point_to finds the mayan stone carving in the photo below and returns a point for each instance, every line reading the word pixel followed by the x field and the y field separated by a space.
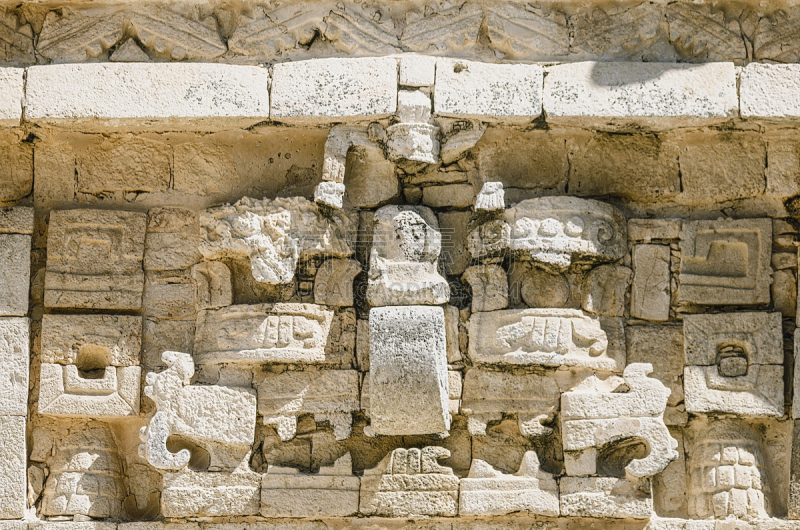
pixel 408 264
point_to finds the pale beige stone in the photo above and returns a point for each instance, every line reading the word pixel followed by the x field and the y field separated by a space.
pixel 255 334
pixel 131 94
pixel 592 417
pixel 333 284
pixel 448 196
pixel 191 494
pixel 661 346
pixel 725 262
pixel 767 91
pixel 94 259
pixel 489 286
pixel 16 177
pixel 410 482
pixel 452 318
pixel 334 492
pixel 544 337
pixel 487 491
pixel 12 95
pixel 16 220
pixel 454 226
pixel 221 419
pixel 501 92
pixel 12 467
pixel 173 236
pixel 650 292
pixel 14 360
pixel 646 230
pixel 325 90
pixel 604 290
pixel 642 93
pixel 128 165
pixel 408 370
pixel 331 395
pixel 456 145
pixel 784 292
pixel 487 395
pixel 417 70
pixel 95 341
pixel 605 497
pixel 16 265
pixel 213 285
pixel 169 295
pixel 406 243
pixel 65 391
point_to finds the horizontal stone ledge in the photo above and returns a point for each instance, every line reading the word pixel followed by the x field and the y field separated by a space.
pixel 770 91
pixel 657 95
pixel 147 96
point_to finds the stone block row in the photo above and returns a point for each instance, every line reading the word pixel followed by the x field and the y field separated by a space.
pixel 110 95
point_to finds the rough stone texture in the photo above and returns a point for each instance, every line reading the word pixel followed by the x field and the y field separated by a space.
pixel 14 359
pixel 92 341
pixel 650 293
pixel 408 483
pixel 417 70
pixel 766 91
pixel 661 346
pixel 12 468
pixel 94 259
pixel 16 177
pixel 617 498
pixel 725 262
pixel 647 230
pixel 16 265
pixel 333 284
pixel 734 363
pixel 487 395
pixel 487 491
pixel 604 290
pixel 544 337
pixel 408 370
pixel 640 92
pixel 361 88
pixel 509 93
pixel 13 95
pixel 211 494
pixel 454 227
pixel 448 196
pixel 213 285
pixel 331 395
pixel 253 334
pixel 489 286
pixel 173 236
pixel 64 391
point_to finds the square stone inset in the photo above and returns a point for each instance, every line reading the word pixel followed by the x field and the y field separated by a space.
pixel 94 259
pixel 725 262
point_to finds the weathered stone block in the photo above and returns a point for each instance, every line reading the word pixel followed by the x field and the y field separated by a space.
pixel 14 355
pixel 262 333
pixel 650 293
pixel 503 92
pixel 768 91
pixel 448 196
pixel 12 95
pixel 642 93
pixel 94 259
pixel 65 391
pixel 725 262
pixel 12 467
pixel 489 286
pixel 324 90
pixel 94 341
pixel 605 289
pixel 102 94
pixel 616 498
pixel 331 395
pixel 173 236
pixel 487 395
pixel 16 220
pixel 417 70
pixel 545 337
pixel 334 492
pixel 169 295
pixel 15 262
pixel 408 370
pixel 661 346
pixel 191 494
pixel 409 482
pixel 16 176
pixel 734 363
pixel 213 285
pixel 487 491
pixel 333 283
pixel 646 230
pixel 454 226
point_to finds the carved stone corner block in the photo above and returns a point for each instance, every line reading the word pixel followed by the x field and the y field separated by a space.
pixel 263 333
pixel 594 416
pixel 94 259
pixel 414 139
pixel 220 419
pixel 333 492
pixel 194 494
pixel 543 337
pixel 331 395
pixel 410 482
pixel 65 391
pixel 556 232
pixel 275 235
pixel 487 395
pixel 487 491
pixel 14 365
pixel 403 262
pixel 725 262
pixel 408 381
pixel 606 497
pixel 734 363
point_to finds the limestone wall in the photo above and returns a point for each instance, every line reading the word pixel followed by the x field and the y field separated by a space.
pixel 314 266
